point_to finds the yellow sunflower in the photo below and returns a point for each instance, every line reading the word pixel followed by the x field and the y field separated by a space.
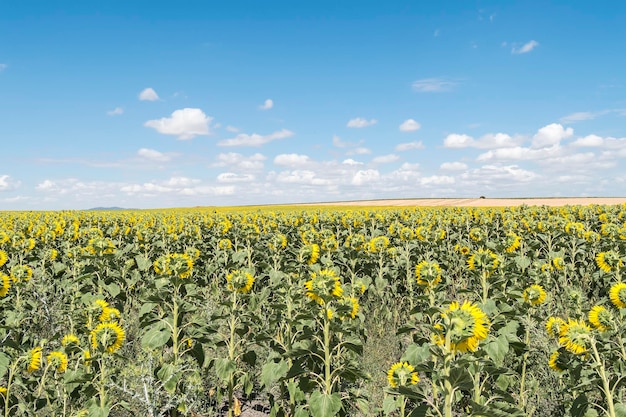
pixel 70 340
pixel 609 261
pixel 6 285
pixel 3 258
pixel 34 359
pixel 513 242
pixel 575 336
pixel 21 273
pixel 466 325
pixel 600 318
pixel 224 244
pixel 554 361
pixel 109 335
pixel 58 360
pixel 323 286
pixel 554 326
pixel 378 244
pixel 534 295
pixel 240 281
pixel 617 294
pixel 428 274
pixel 402 374
pixel 483 260
pixel 558 263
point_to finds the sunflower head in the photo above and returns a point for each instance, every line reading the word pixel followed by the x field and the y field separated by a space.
pixel 330 244
pixel 21 273
pixel 557 361
pixel 309 254
pixel 483 260
pixel 240 281
pixel 58 360
pixel 355 242
pixel 617 294
pixel 534 295
pixel 513 242
pixel 600 318
pixel 428 274
pixel 406 234
pixel 34 359
pixel 476 234
pixel 466 325
pixel 402 374
pixel 5 284
pixel 277 242
pixel 378 244
pixel 107 336
pixel 554 326
pixel 558 263
pixel 609 261
pixel 575 336
pixel 323 286
pixel 224 244
pixel 348 307
pixel 3 258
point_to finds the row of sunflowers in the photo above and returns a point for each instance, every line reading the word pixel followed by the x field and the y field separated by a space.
pixel 314 312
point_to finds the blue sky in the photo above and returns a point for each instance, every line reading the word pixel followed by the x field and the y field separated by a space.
pixel 150 104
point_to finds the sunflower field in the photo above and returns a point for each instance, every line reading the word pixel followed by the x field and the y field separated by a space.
pixel 321 312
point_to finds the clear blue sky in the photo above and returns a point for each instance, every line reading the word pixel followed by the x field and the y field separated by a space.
pixel 166 104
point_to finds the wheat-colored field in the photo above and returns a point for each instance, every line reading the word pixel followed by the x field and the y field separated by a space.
pixel 479 202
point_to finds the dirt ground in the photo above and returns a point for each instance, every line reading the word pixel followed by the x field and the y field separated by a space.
pixel 479 202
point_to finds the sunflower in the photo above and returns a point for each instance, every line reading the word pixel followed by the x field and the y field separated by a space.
pixel 330 244
pixel 555 361
pixel 3 258
pixel 558 263
pixel 554 326
pixel 406 234
pixel 323 286
pixel 575 336
pixel 378 244
pixel 21 273
pixel 224 244
pixel 609 261
pixel 69 340
pixel 464 250
pixel 240 281
pixel 355 241
pixel 277 242
pixel 34 359
pixel 349 307
pixel 476 234
pixel 466 325
pixel 600 318
pixel 534 295
pixel 181 265
pixel 6 285
pixel 109 335
pixel 617 294
pixel 513 242
pixel 484 260
pixel 309 253
pixel 402 374
pixel 428 274
pixel 58 360
pixel 3 391
pixel 109 314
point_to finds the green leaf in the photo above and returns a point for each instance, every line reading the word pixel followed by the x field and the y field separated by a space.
pixel 5 362
pixel 97 411
pixel 620 410
pixel 416 354
pixel 390 404
pixel 169 377
pixel 420 411
pixel 301 412
pixel 272 372
pixel 579 406
pixel 146 308
pixel 156 337
pixel 224 368
pixel 324 405
pixel 497 349
pixel 143 263
pixel 113 289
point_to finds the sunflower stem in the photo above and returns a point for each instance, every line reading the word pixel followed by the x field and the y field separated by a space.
pixel 606 388
pixel 522 394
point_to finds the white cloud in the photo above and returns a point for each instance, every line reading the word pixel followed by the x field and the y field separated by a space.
pixel 359 151
pixel 153 155
pixel 365 177
pixel 385 159
pixel 487 174
pixel 237 161
pixel 243 139
pixel 578 116
pixel 527 47
pixel 409 125
pixel 588 141
pixel 359 122
pixel 291 160
pixel 175 186
pixel 148 94
pixel 116 111
pixel 433 85
pixel 453 166
pixel 437 180
pixel 455 140
pixel 7 183
pixel 551 135
pixel 301 177
pixel 267 104
pixel 184 123
pixel 351 161
pixel 401 147
pixel 519 153
pixel 232 177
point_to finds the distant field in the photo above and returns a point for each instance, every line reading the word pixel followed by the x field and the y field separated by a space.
pixel 479 202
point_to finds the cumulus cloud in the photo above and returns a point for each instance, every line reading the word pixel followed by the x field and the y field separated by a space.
pixel 359 122
pixel 359 151
pixel 365 177
pixel 301 176
pixel 385 159
pixel 488 141
pixel 588 141
pixel 116 111
pixel 184 123
pixel 527 47
pixel 455 140
pixel 7 183
pixel 267 104
pixel 437 180
pixel 233 177
pixel 453 166
pixel 255 139
pixel 491 173
pixel 551 135
pixel 176 186
pixel 291 160
pixel 153 155
pixel 409 125
pixel 351 161
pixel 148 94
pixel 237 161
pixel 577 117
pixel 408 146
pixel 433 85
